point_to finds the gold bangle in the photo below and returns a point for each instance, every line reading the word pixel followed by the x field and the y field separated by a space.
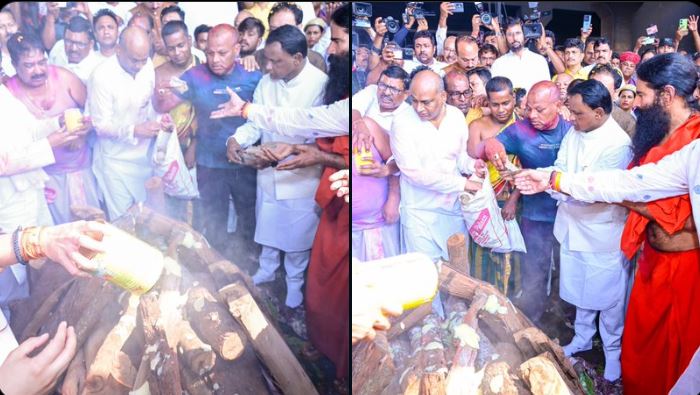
pixel 557 182
pixel 30 244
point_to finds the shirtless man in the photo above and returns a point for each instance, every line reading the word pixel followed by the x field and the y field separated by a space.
pixel 47 91
pixel 179 46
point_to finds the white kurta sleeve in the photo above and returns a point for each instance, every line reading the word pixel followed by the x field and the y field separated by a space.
pixel 248 133
pixel 104 119
pixel 440 37
pixel 668 177
pixel 323 121
pixel 362 100
pixel 31 157
pixel 408 159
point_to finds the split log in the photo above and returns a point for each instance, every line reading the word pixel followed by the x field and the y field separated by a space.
pixel 432 361
pixel 87 213
pixel 267 341
pixel 155 196
pixel 212 323
pixel 409 380
pixel 509 353
pixel 544 377
pixel 533 342
pixel 463 377
pixel 372 366
pixel 408 319
pixel 163 367
pixel 108 358
pixel 74 380
pixel 498 327
pixel 457 252
pixel 499 380
pixel 97 374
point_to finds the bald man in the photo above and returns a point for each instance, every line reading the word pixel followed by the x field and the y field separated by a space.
pixel 218 178
pixel 429 145
pixel 467 52
pixel 449 51
pixel 535 140
pixel 458 92
pixel 119 102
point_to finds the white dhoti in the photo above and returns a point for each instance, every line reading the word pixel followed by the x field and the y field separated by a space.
pixel 596 282
pixel 376 243
pixel 427 231
pixel 78 188
pixel 284 225
pixel 121 184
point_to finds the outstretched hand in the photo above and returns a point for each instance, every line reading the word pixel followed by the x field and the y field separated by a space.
pixel 231 108
pixel 530 181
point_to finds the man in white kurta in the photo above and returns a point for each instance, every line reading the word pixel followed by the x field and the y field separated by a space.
pixel 594 273
pixel 25 149
pixel 286 212
pixel 119 102
pixel 523 67
pixel 429 145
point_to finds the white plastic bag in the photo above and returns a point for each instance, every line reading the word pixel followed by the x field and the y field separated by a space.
pixel 169 164
pixel 517 243
pixel 483 217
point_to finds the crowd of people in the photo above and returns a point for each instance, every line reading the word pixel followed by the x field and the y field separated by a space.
pixel 430 123
pixel 256 95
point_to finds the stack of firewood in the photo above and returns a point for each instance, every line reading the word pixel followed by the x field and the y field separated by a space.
pixel 484 345
pixel 199 330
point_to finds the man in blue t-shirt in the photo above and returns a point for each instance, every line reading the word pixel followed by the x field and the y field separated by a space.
pixel 535 140
pixel 217 178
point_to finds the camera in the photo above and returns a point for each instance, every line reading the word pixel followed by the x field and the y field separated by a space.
pixel 486 18
pixel 419 12
pixel 361 14
pixel 532 27
pixel 392 25
pixel 408 54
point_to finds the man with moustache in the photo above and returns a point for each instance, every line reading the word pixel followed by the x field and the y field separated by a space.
pixel 217 177
pixel 251 32
pixel 449 50
pixel 661 323
pixel 593 273
pixel 28 145
pixel 383 101
pixel 467 55
pixel 521 66
pixel 602 51
pixel 486 265
pixel 46 92
pixel 424 49
pixel 611 79
pixel 178 44
pixel 573 57
pixel 535 140
pixel 285 198
pixel 459 94
pixel 74 51
pixel 628 65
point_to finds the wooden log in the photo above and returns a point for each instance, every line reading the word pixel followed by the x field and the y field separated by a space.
pixel 498 327
pixel 212 322
pixel 408 319
pixel 108 358
pixel 500 380
pixel 196 355
pixel 457 252
pixel 43 312
pixel 97 374
pixel 544 377
pixel 409 380
pixel 509 353
pixel 92 313
pixel 87 213
pixel 372 366
pixel 432 360
pixel 463 377
pixel 155 196
pixel 268 343
pixel 164 370
pixel 74 380
pixel 533 342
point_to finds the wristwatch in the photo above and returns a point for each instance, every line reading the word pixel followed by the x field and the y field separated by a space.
pixel 376 50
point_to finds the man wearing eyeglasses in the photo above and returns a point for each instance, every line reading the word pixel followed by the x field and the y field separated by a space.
pixel 75 51
pixel 459 94
pixel 383 101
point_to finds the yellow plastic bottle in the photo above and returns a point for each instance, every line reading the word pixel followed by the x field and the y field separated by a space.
pixel 409 279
